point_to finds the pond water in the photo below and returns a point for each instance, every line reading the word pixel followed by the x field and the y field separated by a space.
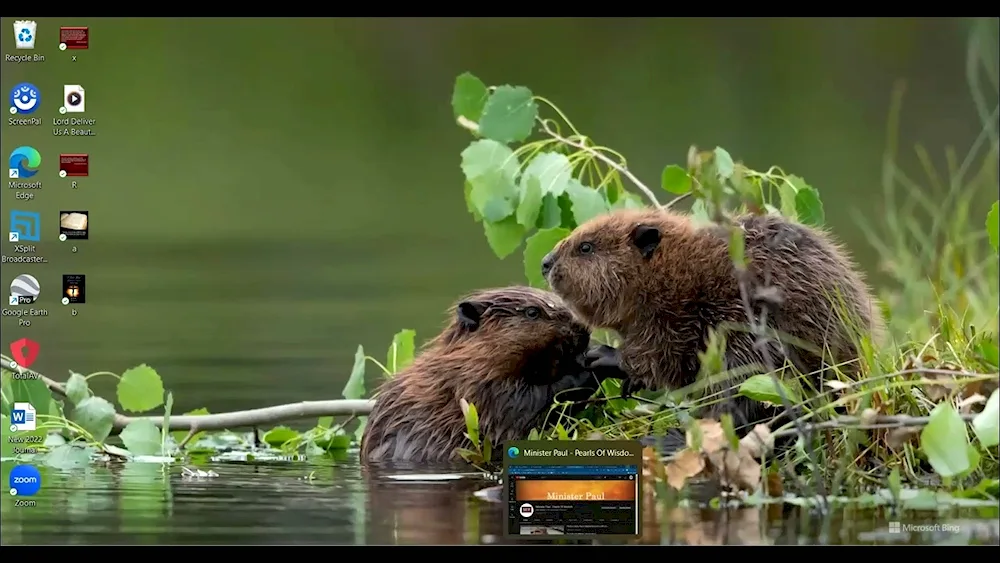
pixel 342 503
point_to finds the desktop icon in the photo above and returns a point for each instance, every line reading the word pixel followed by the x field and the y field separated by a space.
pixel 24 162
pixel 22 418
pixel 73 225
pixel 24 290
pixel 73 99
pixel 25 481
pixel 24 98
pixel 24 352
pixel 513 452
pixel 25 226
pixel 74 38
pixel 24 34
pixel 74 288
pixel 74 165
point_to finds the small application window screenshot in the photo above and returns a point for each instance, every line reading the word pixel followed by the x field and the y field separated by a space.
pixel 575 490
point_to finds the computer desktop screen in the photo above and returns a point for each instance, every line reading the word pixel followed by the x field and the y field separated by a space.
pixel 397 281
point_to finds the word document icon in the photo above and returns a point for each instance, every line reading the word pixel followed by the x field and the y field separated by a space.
pixel 22 418
pixel 24 162
pixel 24 34
pixel 24 98
pixel 25 226
pixel 73 99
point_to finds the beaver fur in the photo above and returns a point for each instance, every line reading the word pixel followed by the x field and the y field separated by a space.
pixel 663 282
pixel 509 351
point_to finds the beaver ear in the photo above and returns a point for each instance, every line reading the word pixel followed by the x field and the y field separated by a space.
pixel 469 314
pixel 646 239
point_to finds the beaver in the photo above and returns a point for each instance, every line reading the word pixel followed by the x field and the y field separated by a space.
pixel 509 351
pixel 663 282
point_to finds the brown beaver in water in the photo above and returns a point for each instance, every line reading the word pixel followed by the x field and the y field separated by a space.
pixel 662 283
pixel 508 351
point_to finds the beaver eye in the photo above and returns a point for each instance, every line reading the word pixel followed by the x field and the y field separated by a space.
pixel 532 312
pixel 586 248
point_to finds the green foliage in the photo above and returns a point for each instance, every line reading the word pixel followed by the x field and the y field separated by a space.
pixel 764 388
pixel 538 245
pixel 556 183
pixel 986 425
pixel 140 389
pixel 945 442
pixel 481 451
pixel 401 351
pixel 993 225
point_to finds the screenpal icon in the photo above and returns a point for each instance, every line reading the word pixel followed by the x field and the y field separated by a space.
pixel 24 290
pixel 74 164
pixel 74 38
pixel 73 99
pixel 24 352
pixel 22 418
pixel 24 34
pixel 24 98
pixel 25 481
pixel 25 226
pixel 24 162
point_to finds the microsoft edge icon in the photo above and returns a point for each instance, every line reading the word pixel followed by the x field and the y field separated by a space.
pixel 24 99
pixel 24 162
pixel 513 452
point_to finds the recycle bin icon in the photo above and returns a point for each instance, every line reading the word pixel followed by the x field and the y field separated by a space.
pixel 24 34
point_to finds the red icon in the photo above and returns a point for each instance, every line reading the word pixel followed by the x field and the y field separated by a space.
pixel 74 165
pixel 74 37
pixel 24 352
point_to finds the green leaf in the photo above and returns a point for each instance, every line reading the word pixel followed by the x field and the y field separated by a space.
pixel 761 388
pixel 587 203
pixel 675 180
pixel 808 207
pixel 550 215
pixel 724 163
pixel 509 114
pixel 490 169
pixel 989 352
pixel 737 248
pixel 141 437
pixel 537 246
pixel 140 389
pixel 278 436
pixel 179 435
pixel 699 212
pixel 355 387
pixel 895 483
pixel 504 236
pixel 531 201
pixel 986 425
pixel 469 96
pixel 401 350
pixel 333 441
pixel 32 391
pixel 553 171
pixel 68 456
pixel 6 446
pixel 629 201
pixel 945 441
pixel 993 225
pixel 471 421
pixel 787 191
pixel 77 388
pixel 729 431
pixel 95 415
pixel 469 204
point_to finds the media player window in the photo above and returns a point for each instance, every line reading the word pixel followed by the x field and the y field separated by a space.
pixel 573 489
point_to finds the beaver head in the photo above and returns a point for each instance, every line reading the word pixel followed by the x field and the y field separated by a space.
pixel 610 267
pixel 513 332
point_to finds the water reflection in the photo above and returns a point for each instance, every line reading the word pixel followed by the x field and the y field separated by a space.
pixel 342 503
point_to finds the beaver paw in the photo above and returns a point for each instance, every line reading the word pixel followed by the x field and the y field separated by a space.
pixel 604 361
pixel 631 386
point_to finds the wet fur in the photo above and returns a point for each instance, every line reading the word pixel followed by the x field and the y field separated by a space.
pixel 662 283
pixel 510 366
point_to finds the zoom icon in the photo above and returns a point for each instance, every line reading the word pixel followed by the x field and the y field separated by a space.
pixel 24 99
pixel 24 162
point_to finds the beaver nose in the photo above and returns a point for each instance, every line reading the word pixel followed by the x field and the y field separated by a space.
pixel 548 262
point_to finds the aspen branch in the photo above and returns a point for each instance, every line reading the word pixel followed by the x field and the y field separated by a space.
pixel 235 419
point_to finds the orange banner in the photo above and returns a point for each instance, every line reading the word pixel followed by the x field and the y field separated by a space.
pixel 538 490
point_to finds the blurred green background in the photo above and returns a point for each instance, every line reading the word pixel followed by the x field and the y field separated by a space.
pixel 266 194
